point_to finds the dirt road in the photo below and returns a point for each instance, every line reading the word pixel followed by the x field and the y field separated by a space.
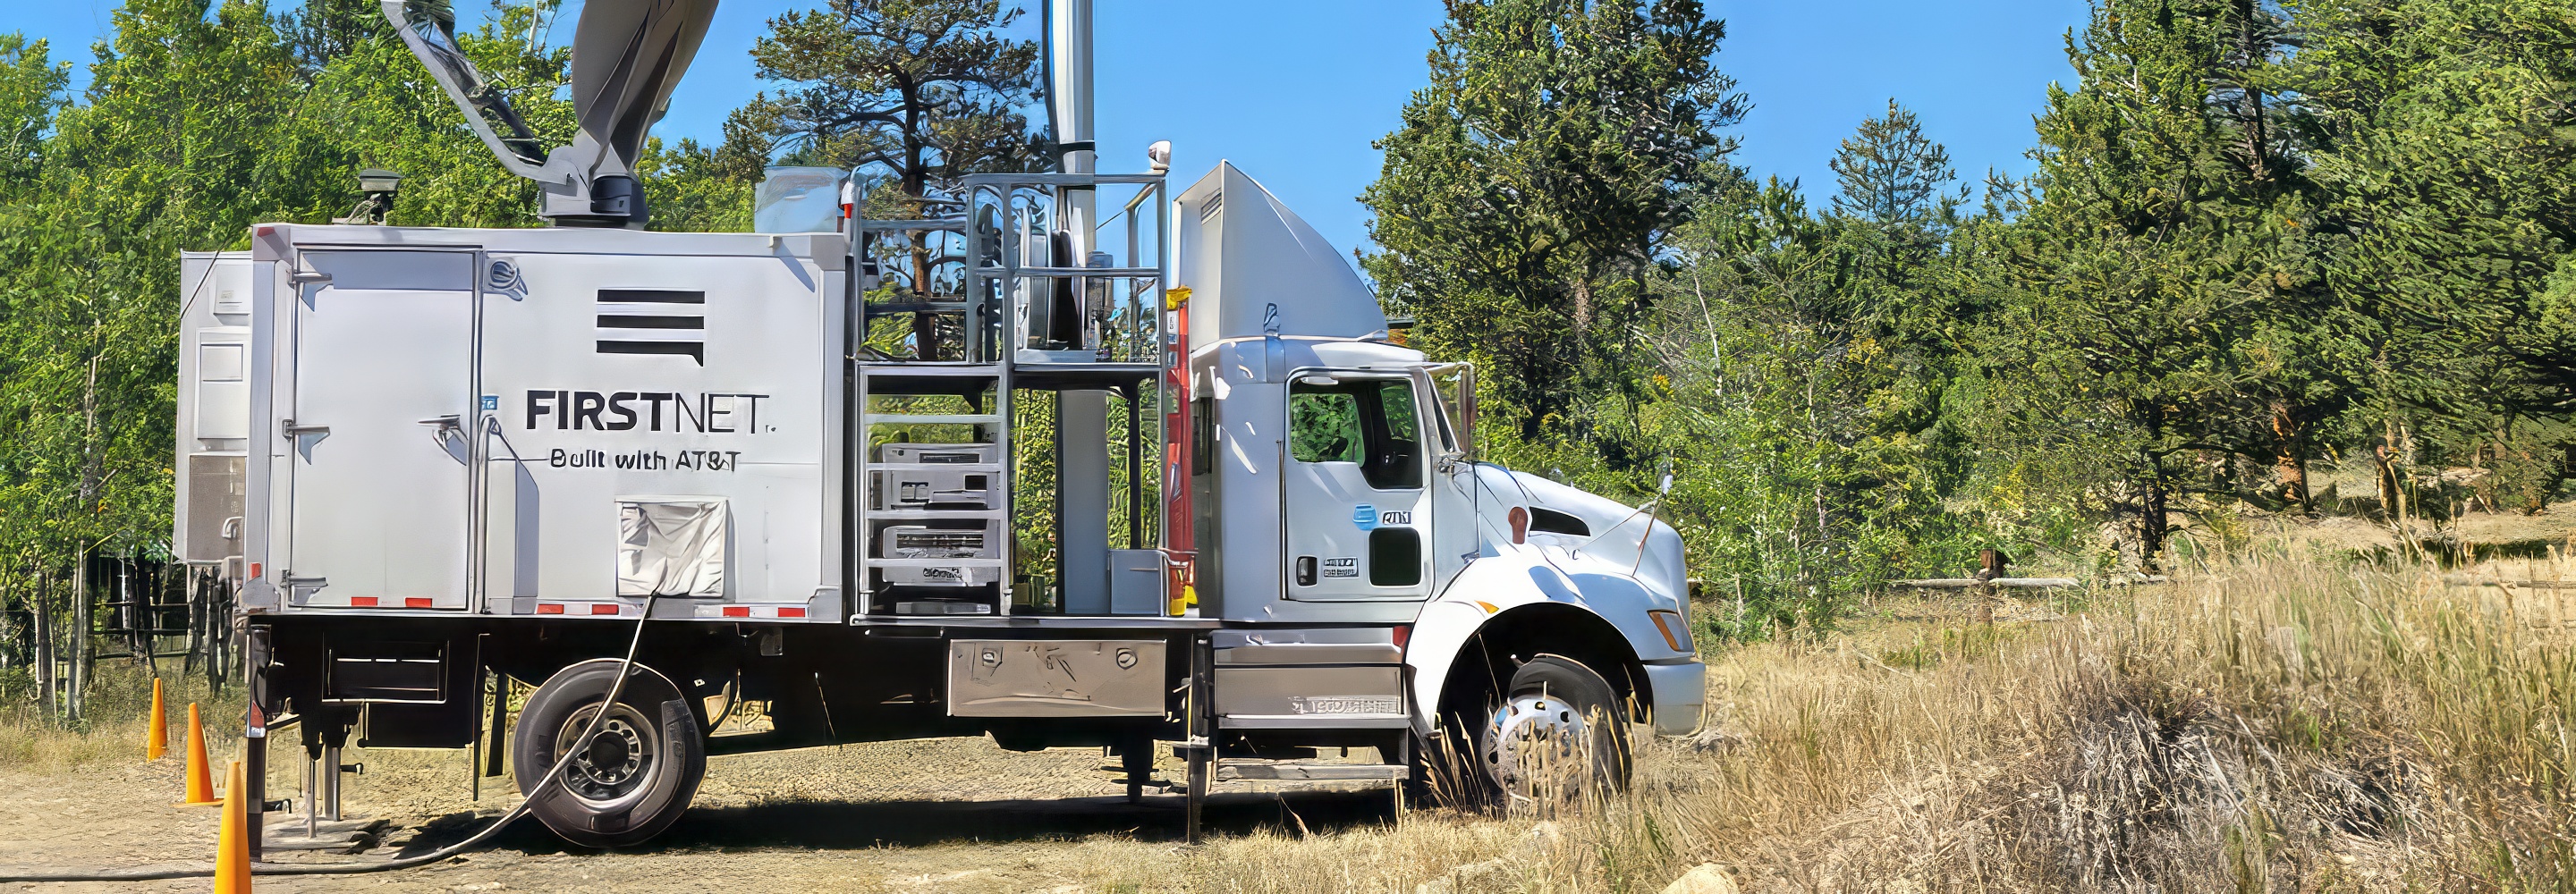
pixel 941 815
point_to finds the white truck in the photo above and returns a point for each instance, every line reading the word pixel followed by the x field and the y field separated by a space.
pixel 1008 472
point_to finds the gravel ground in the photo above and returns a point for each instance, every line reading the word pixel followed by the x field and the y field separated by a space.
pixel 935 815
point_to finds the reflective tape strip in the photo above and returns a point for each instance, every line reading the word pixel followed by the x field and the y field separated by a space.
pixel 751 611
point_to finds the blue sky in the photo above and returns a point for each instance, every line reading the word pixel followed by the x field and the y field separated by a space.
pixel 1294 93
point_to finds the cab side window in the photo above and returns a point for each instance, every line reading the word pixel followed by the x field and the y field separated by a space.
pixel 1374 423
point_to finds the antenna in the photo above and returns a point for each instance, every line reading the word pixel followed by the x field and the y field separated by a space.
pixel 627 57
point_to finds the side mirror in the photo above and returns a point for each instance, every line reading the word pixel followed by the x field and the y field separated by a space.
pixel 1455 383
pixel 1450 460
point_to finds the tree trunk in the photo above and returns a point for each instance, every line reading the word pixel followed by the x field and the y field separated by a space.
pixel 2290 465
pixel 141 614
pixel 188 585
pixel 44 644
pixel 75 699
pixel 2386 479
pixel 2152 524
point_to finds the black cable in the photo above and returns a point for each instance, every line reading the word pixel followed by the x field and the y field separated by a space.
pixel 552 777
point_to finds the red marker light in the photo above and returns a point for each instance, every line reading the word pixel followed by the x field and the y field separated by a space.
pixel 1520 525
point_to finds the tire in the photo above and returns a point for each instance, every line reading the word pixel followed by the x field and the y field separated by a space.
pixel 641 767
pixel 1554 733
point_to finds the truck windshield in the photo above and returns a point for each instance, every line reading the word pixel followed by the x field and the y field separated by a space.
pixel 1372 422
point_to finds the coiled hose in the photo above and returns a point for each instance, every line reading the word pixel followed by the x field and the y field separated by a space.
pixel 553 774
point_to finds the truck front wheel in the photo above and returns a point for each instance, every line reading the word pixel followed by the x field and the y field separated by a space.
pixel 634 774
pixel 1554 732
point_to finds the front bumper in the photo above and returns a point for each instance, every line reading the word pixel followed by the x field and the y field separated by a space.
pixel 1678 693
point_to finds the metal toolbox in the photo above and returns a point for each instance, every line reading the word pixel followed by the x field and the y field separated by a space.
pixel 1055 678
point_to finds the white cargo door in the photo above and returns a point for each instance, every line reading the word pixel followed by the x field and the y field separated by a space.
pixel 1355 502
pixel 379 511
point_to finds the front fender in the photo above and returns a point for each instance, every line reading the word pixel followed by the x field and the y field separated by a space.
pixel 1517 582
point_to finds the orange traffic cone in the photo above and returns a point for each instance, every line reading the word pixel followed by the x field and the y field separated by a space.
pixel 232 837
pixel 156 739
pixel 201 790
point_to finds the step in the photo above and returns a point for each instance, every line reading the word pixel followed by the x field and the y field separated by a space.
pixel 1248 769
pixel 912 368
pixel 934 563
pixel 932 418
pixel 1052 272
pixel 931 514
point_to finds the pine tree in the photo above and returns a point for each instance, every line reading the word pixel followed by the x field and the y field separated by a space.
pixel 1527 195
pixel 2440 131
pixel 1892 175
pixel 2165 227
pixel 919 92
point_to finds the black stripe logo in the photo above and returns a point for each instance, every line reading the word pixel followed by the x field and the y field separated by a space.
pixel 618 330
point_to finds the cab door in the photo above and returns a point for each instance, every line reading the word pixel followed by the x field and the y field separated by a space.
pixel 1354 488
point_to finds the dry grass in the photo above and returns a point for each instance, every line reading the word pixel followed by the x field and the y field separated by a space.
pixel 2269 726
pixel 2265 728
pixel 119 709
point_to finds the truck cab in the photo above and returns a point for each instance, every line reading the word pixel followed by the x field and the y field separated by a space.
pixel 1161 477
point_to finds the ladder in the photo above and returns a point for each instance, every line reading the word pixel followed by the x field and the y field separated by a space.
pixel 995 304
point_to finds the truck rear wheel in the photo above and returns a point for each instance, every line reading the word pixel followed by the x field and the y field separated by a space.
pixel 1554 732
pixel 631 778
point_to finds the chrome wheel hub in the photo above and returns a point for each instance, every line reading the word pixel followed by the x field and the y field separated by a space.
pixel 610 766
pixel 1538 745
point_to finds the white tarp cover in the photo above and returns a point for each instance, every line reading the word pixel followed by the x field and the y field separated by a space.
pixel 671 547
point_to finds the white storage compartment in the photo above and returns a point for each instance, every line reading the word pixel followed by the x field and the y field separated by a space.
pixel 618 414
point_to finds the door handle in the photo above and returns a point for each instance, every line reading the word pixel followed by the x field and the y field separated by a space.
pixel 290 429
pixel 443 427
pixel 447 430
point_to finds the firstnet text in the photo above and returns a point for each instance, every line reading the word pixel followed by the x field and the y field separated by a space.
pixel 703 413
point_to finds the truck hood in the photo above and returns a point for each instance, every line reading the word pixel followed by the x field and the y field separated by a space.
pixel 1619 539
